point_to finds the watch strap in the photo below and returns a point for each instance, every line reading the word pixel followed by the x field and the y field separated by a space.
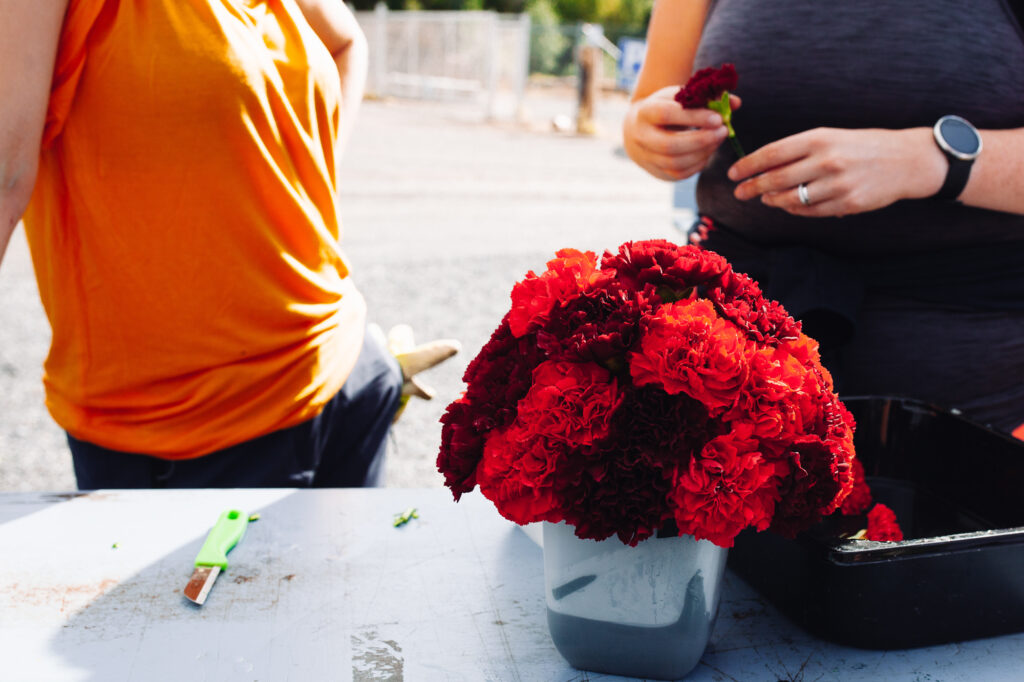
pixel 956 178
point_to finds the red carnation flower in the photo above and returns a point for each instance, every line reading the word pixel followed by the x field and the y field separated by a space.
pixel 687 348
pixel 598 325
pixel 461 448
pixel 631 502
pixel 522 498
pixel 532 299
pixel 882 525
pixel 707 85
pixel 728 487
pixel 499 376
pixel 859 498
pixel 570 402
pixel 775 400
pixel 661 431
pixel 710 88
pixel 812 491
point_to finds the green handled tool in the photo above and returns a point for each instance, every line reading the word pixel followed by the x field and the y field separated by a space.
pixel 213 556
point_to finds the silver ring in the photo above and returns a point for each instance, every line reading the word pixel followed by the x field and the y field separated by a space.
pixel 801 191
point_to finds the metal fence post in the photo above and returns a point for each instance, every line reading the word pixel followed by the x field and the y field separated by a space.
pixel 380 48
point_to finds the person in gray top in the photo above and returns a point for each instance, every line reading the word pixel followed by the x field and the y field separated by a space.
pixel 882 196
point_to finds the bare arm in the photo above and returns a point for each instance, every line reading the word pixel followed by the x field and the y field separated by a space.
pixel 853 171
pixel 29 33
pixel 336 26
pixel 672 39
pixel 669 142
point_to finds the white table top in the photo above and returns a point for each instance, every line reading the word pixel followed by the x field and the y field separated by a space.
pixel 323 587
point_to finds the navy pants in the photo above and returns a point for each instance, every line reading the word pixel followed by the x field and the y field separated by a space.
pixel 343 446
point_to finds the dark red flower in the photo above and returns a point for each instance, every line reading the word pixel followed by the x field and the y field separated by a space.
pixel 706 86
pixel 813 490
pixel 598 325
pixel 461 448
pixel 882 525
pixel 570 402
pixel 631 502
pixel 500 374
pixel 859 498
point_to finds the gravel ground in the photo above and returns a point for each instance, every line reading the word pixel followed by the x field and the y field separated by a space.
pixel 443 213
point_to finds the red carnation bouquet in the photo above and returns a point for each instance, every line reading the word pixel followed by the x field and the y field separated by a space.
pixel 656 390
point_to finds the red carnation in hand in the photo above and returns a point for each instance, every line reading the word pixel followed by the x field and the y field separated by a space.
pixel 882 525
pixel 707 85
pixel 710 88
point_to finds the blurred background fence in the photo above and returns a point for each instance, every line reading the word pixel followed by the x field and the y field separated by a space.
pixel 485 56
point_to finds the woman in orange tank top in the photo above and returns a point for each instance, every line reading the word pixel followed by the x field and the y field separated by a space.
pixel 175 163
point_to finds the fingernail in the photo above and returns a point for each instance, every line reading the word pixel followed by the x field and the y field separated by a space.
pixel 733 174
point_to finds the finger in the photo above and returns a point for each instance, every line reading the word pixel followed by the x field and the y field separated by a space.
pixel 688 163
pixel 820 193
pixel 778 179
pixel 778 153
pixel 678 143
pixel 826 209
pixel 662 112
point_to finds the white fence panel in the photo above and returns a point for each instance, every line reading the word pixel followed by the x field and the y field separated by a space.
pixel 474 56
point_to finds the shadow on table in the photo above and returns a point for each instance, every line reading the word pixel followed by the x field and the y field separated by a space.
pixel 324 587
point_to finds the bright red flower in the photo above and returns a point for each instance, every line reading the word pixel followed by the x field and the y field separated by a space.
pixel 687 348
pixel 882 525
pixel 728 487
pixel 532 299
pixel 519 498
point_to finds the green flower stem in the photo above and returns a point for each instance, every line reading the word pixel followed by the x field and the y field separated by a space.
pixel 722 107
pixel 736 146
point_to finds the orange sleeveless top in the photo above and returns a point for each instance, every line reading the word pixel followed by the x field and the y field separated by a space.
pixel 184 225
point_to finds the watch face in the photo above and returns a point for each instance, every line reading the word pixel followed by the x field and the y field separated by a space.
pixel 960 136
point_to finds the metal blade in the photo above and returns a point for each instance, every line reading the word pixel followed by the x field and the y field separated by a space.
pixel 200 583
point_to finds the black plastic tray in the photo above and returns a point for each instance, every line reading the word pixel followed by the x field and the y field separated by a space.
pixel 958 491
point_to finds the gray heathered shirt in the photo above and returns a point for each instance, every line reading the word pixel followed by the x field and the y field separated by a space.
pixel 856 64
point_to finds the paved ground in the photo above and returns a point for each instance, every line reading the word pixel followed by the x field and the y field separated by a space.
pixel 443 213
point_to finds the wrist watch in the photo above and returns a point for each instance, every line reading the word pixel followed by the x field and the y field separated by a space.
pixel 961 143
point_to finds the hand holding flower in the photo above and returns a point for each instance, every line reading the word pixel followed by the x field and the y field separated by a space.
pixel 710 88
pixel 668 141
